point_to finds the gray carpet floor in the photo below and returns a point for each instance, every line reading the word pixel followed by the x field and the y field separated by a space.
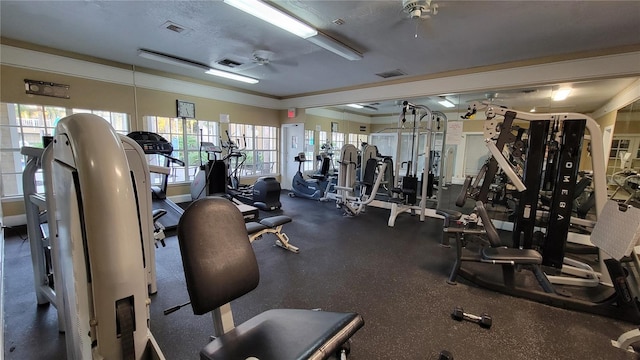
pixel 395 277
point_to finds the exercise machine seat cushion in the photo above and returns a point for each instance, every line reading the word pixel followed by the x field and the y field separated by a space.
pixel 449 214
pixel 285 334
pixel 218 260
pixel 515 256
pixel 253 227
pixel 274 221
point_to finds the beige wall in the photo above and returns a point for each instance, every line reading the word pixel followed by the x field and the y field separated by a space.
pixel 100 95
pixel 85 93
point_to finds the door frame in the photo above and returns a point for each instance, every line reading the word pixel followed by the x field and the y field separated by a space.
pixel 289 165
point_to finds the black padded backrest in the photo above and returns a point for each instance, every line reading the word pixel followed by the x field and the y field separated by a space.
pixel 326 163
pixel 369 176
pixel 217 177
pixel 218 260
pixel 491 231
pixel 462 197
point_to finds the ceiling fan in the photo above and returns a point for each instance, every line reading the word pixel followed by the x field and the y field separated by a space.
pixel 474 105
pixel 259 58
pixel 419 9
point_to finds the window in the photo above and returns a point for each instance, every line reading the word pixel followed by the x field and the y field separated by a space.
pixel 357 139
pixel 119 121
pixel 619 147
pixel 25 125
pixel 309 150
pixel 337 142
pixel 259 144
pixel 185 136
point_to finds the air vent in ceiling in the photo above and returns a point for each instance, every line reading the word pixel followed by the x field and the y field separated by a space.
pixel 170 25
pixel 392 73
pixel 229 63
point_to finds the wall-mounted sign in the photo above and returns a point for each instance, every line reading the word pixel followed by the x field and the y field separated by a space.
pixel 43 88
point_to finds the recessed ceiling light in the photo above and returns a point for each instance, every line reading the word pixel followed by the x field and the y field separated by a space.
pixel 561 94
pixel 446 103
pixel 355 106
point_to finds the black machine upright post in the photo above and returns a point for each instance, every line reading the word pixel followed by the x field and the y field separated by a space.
pixel 562 199
pixel 525 215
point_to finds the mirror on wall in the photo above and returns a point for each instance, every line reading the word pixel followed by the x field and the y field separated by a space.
pixel 625 145
pixel 624 157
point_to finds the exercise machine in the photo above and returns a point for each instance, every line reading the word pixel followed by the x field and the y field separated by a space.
pixel 212 231
pixel 265 191
pixel 154 144
pixel 40 211
pixel 314 188
pixel 411 192
pixel 100 244
pixel 354 198
pixel 214 179
pixel 610 283
pixel 616 302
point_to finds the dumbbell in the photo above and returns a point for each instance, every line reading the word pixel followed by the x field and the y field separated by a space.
pixel 484 320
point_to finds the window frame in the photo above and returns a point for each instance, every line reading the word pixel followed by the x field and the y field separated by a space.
pixel 12 122
pixel 187 135
pixel 251 140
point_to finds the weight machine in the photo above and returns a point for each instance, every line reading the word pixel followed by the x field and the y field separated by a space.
pixel 613 297
pixel 104 306
pixel 409 193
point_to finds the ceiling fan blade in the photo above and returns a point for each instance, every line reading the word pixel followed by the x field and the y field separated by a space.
pixel 270 68
pixel 284 62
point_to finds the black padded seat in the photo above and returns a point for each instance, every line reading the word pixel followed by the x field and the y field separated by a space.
pixel 449 215
pixel 220 266
pixel 274 221
pixel 511 255
pixel 285 334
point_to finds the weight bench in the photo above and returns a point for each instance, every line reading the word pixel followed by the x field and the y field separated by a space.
pixel 271 225
pixel 220 266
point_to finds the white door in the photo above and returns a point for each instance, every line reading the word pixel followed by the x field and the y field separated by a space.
pixel 292 144
pixel 475 154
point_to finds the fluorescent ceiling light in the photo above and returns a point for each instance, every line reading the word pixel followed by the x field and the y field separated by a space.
pixel 274 16
pixel 284 21
pixel 172 60
pixel 446 103
pixel 533 109
pixel 561 94
pixel 232 76
pixel 355 106
pixel 335 47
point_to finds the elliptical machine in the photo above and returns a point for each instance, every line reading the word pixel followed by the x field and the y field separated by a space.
pixel 313 188
pixel 214 178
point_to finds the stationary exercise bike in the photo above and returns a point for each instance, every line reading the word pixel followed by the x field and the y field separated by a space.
pixel 313 188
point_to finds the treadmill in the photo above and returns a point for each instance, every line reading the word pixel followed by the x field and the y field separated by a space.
pixel 154 144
